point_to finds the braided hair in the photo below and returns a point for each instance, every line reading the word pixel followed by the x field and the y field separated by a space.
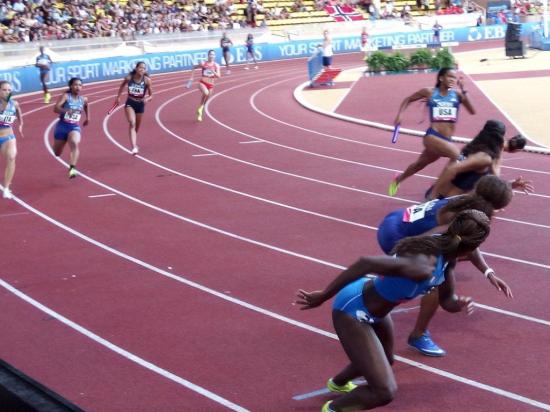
pixel 490 193
pixel 468 230
pixel 489 140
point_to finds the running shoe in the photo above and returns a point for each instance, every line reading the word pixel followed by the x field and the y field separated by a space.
pixel 392 189
pixel 72 172
pixel 247 68
pixel 7 194
pixel 347 387
pixel 326 407
pixel 47 97
pixel 135 151
pixel 199 113
pixel 425 345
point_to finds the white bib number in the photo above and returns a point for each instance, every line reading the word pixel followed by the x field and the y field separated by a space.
pixel 444 113
pixel 43 62
pixel 72 117
pixel 208 73
pixel 417 212
pixel 136 90
pixel 7 119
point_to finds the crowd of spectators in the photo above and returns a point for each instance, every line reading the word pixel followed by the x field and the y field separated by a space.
pixel 31 20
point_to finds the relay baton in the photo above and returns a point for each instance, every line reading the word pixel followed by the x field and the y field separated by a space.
pixel 395 134
pixel 112 109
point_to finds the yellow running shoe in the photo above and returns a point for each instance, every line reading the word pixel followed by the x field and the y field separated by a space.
pixel 47 97
pixel 326 407
pixel 348 387
pixel 199 113
pixel 392 189
pixel 72 173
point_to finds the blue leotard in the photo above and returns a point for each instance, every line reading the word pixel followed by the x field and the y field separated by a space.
pixel 443 108
pixel 398 289
pixel 411 221
pixel 8 115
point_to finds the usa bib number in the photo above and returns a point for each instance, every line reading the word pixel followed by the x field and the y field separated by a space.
pixel 444 113
pixel 417 212
pixel 7 119
pixel 72 117
pixel 136 90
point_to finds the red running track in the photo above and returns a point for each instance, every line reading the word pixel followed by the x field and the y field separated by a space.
pixel 175 291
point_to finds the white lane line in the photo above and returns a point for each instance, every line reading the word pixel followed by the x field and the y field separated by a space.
pixel 14 214
pixel 513 314
pixel 251 141
pixel 104 195
pixel 374 125
pixel 204 154
pixel 330 158
pixel 122 352
pixel 271 314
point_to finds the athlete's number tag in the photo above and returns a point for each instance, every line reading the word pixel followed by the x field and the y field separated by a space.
pixel 72 117
pixel 444 113
pixel 7 118
pixel 136 90
pixel 417 212
pixel 43 62
pixel 208 73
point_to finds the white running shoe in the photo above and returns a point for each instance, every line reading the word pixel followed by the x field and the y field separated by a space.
pixel 135 151
pixel 246 68
pixel 7 194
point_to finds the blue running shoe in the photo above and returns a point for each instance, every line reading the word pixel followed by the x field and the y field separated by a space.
pixel 425 345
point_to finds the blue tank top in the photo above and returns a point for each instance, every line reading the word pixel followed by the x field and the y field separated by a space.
pixel 398 289
pixel 420 218
pixel 136 89
pixel 467 180
pixel 443 108
pixel 75 105
pixel 8 115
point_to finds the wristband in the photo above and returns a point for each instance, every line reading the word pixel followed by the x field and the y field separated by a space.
pixel 488 272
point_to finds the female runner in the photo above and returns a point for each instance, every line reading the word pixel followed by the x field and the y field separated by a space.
pixel 139 83
pixel 70 106
pixel 361 309
pixel 443 102
pixel 9 112
pixel 210 70
pixel 491 194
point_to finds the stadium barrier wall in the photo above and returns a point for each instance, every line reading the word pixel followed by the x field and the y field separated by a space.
pixel 26 79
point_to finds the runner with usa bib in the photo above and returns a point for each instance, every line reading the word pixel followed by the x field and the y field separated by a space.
pixel 443 103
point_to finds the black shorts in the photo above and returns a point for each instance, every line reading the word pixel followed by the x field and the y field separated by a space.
pixel 327 61
pixel 225 49
pixel 137 105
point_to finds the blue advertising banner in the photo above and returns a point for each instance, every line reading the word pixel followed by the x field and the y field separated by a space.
pixel 26 79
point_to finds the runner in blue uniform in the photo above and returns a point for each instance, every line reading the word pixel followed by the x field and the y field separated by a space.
pixel 362 306
pixel 491 193
pixel 139 83
pixel 44 64
pixel 249 44
pixel 70 106
pixel 9 112
pixel 225 44
pixel 480 157
pixel 443 103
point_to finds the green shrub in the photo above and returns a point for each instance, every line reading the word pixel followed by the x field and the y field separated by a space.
pixel 396 62
pixel 443 58
pixel 376 60
pixel 421 57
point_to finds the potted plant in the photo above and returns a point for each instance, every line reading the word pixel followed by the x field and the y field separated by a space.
pixel 396 62
pixel 376 61
pixel 443 58
pixel 421 59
